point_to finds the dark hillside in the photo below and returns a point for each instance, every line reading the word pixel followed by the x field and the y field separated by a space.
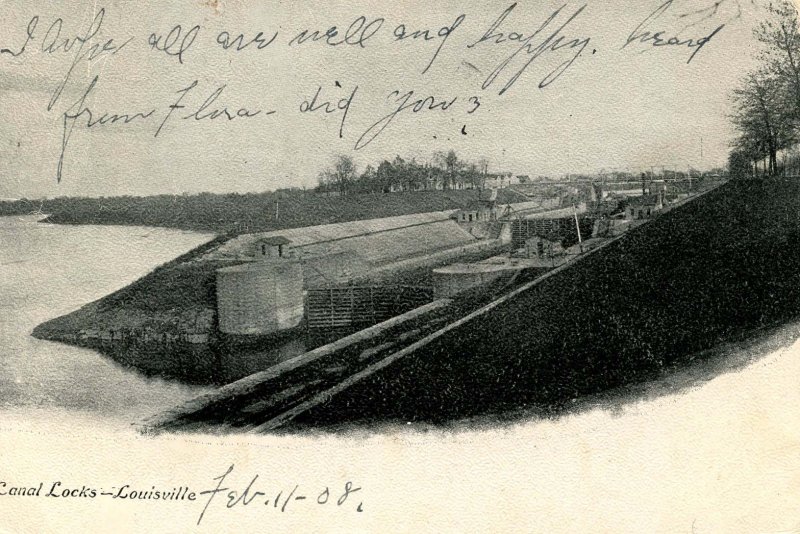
pixel 707 272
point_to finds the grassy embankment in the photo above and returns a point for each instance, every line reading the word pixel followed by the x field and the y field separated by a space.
pixel 254 212
pixel 715 270
pixel 176 293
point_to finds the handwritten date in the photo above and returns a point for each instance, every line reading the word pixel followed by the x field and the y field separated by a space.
pixel 251 495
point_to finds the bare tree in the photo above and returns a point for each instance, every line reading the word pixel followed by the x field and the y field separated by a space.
pixel 439 160
pixel 780 33
pixel 483 165
pixel 340 176
pixel 451 164
pixel 762 118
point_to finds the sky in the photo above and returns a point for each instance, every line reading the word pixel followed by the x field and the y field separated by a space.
pixel 614 107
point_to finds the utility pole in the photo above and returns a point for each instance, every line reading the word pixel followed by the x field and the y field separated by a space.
pixel 578 227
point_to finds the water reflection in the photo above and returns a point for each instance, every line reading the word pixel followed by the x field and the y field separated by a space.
pixel 217 363
pixel 47 271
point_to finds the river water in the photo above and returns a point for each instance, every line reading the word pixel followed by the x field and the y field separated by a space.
pixel 49 270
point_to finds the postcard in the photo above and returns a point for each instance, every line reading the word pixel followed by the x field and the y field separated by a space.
pixel 371 266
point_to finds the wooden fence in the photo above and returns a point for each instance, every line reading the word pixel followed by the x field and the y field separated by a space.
pixel 347 306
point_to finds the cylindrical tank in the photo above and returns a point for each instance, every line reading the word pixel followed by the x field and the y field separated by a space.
pixel 260 298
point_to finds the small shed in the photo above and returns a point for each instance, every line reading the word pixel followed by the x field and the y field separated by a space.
pixel 644 207
pixel 272 247
pixel 482 209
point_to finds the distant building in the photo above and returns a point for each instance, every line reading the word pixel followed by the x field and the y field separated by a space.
pixel 482 210
pixel 433 182
pixel 644 207
pixel 500 180
pixel 398 187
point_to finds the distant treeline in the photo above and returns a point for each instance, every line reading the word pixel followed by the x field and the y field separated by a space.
pixel 238 213
pixel 445 172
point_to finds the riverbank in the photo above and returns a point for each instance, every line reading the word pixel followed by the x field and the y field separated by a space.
pixel 242 213
pixel 177 296
pixel 47 271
